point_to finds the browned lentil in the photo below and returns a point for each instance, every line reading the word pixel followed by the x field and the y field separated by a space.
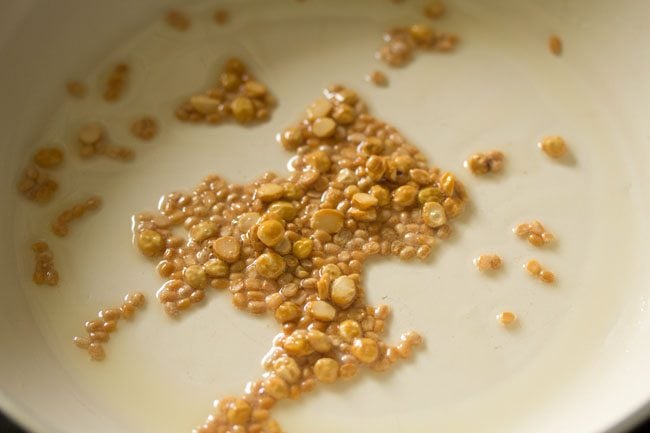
pixel 44 271
pixel 76 89
pixel 99 329
pixel 401 43
pixel 554 146
pixel 555 45
pixel 116 82
pixel 60 224
pixel 486 262
pixel 534 268
pixel 145 128
pixel 178 20
pixel 37 186
pixel 482 163
pixel 377 78
pixel 237 95
pixel 295 247
pixel 534 232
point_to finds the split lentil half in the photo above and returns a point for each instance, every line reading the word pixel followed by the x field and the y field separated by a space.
pixel 236 95
pixel 294 248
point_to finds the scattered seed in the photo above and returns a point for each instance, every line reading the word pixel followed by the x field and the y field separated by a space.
pixel 401 43
pixel 555 45
pixel 482 163
pixel 535 233
pixel 60 224
pixel 434 10
pixel 534 268
pixel 506 318
pixel 486 262
pixel 44 271
pixel 377 78
pixel 554 146
pixel 221 17
pixel 116 82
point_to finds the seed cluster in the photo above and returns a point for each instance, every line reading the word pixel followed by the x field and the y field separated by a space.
pixel 555 45
pixel 488 262
pixel 116 82
pixel 44 271
pixel 37 185
pixel 236 95
pixel 554 146
pixel 76 89
pixel 145 128
pixel 295 247
pixel 535 269
pixel 434 10
pixel 178 20
pixel 377 78
pixel 93 141
pixel 99 330
pixel 483 163
pixel 535 233
pixel 60 225
pixel 400 43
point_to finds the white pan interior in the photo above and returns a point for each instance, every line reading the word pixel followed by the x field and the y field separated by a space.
pixel 577 363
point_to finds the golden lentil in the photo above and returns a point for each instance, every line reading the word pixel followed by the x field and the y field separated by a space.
pixel 486 262
pixel 554 146
pixel 534 268
pixel 37 186
pixel 48 157
pixel 535 233
pixel 99 330
pixel 44 271
pixel 377 78
pixel 60 224
pixel 295 247
pixel 237 95
pixel 482 163
pixel 506 318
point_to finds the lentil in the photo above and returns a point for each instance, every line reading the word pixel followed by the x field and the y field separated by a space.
pixel 534 268
pixel 295 247
pixel 237 95
pixel 44 271
pixel 37 186
pixel 482 163
pixel 535 233
pixel 506 318
pixel 99 330
pixel 48 157
pixel 60 224
pixel 377 78
pixel 554 146
pixel 486 262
